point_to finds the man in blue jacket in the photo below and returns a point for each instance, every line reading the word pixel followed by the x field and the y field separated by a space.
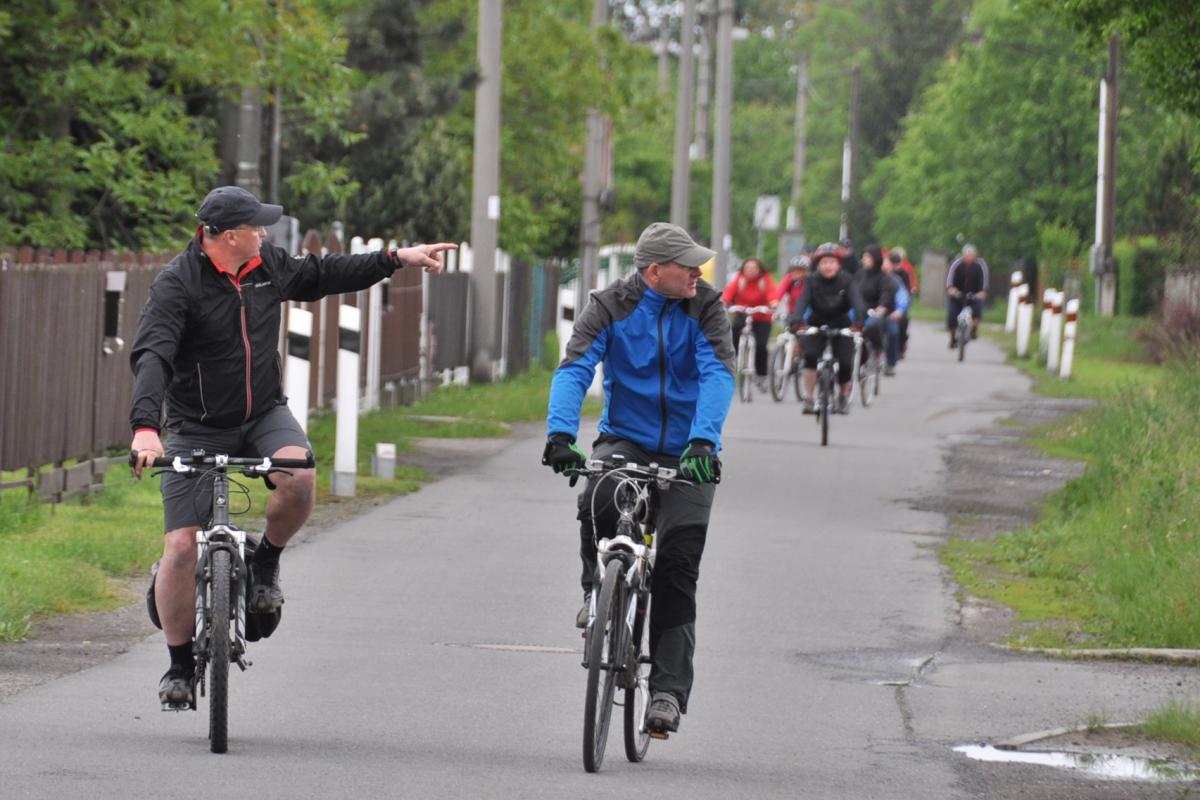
pixel 665 343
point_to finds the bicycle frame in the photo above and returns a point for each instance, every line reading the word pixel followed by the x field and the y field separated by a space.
pixel 222 535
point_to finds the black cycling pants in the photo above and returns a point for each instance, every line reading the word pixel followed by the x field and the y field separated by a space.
pixel 762 335
pixel 843 351
pixel 681 530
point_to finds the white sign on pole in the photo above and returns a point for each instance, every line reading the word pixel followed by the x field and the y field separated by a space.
pixel 766 212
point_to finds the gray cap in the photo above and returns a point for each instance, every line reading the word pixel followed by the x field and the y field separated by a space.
pixel 662 242
pixel 969 250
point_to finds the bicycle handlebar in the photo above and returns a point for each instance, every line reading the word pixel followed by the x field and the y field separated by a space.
pixel 595 467
pixel 191 463
pixel 749 309
pixel 812 330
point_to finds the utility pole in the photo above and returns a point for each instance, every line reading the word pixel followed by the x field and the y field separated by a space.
pixel 682 173
pixel 664 58
pixel 276 145
pixel 801 142
pixel 848 151
pixel 722 241
pixel 704 82
pixel 1106 185
pixel 485 196
pixel 249 137
pixel 590 223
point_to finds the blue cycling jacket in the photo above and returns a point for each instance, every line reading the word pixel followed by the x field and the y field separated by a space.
pixel 668 367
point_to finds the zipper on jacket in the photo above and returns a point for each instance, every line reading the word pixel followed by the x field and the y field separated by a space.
pixel 662 378
pixel 200 380
pixel 246 342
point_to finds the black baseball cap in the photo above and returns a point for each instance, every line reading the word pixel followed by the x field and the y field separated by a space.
pixel 228 207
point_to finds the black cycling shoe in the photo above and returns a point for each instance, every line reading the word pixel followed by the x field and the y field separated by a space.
pixel 265 595
pixel 177 689
pixel 664 713
pixel 582 617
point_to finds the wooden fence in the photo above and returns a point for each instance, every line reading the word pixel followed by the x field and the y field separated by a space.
pixel 67 321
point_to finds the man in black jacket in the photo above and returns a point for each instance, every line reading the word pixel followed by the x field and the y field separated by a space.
pixel 966 282
pixel 207 345
pixel 831 297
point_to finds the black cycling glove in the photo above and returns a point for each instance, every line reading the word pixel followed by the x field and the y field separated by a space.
pixel 562 454
pixel 699 463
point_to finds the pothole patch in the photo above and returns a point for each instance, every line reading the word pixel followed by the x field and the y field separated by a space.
pixel 1105 766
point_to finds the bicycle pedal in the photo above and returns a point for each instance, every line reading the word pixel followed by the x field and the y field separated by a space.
pixel 660 735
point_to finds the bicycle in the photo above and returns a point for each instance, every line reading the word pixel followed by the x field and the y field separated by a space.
pixel 745 374
pixel 785 361
pixel 965 319
pixel 221 580
pixel 827 372
pixel 617 634
pixel 870 370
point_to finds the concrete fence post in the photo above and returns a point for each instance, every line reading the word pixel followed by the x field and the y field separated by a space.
pixel 345 459
pixel 299 363
pixel 1044 325
pixel 1010 321
pixel 1069 333
pixel 1024 319
pixel 1055 344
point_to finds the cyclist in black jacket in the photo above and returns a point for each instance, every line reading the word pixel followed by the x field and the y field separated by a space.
pixel 967 274
pixel 207 345
pixel 831 297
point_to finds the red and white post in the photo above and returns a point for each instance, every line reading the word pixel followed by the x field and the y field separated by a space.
pixel 1069 332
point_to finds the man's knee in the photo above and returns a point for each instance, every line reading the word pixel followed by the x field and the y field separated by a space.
pixel 179 550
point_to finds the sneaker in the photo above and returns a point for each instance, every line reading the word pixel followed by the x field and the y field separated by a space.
pixel 843 404
pixel 889 371
pixel 265 595
pixel 808 405
pixel 953 343
pixel 664 713
pixel 761 383
pixel 974 333
pixel 177 689
pixel 582 617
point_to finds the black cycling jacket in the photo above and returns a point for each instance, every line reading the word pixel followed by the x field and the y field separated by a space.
pixel 835 301
pixel 209 341
pixel 878 288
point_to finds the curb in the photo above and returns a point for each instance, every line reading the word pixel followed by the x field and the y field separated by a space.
pixel 1151 654
pixel 1017 742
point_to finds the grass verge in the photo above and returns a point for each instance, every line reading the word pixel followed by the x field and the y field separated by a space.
pixel 68 557
pixel 1178 721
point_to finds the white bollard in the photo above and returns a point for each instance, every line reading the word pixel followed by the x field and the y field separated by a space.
pixel 1055 345
pixel 299 365
pixel 1044 325
pixel 345 458
pixel 383 460
pixel 1010 321
pixel 1069 332
pixel 1024 319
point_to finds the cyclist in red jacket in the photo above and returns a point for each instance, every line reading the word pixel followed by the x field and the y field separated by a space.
pixel 753 286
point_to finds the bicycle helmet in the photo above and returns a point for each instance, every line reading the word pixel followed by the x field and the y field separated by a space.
pixel 799 262
pixel 827 250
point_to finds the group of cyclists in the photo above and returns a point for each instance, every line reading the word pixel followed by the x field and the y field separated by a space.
pixel 830 285
pixel 207 376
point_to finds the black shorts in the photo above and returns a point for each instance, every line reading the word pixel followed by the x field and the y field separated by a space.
pixel 187 501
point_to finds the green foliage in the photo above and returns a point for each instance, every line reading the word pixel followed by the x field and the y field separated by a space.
pixel 1058 253
pixel 1141 270
pixel 1177 721
pixel 1160 36
pixel 110 113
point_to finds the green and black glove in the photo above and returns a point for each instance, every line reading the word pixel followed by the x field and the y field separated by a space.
pixel 562 454
pixel 699 463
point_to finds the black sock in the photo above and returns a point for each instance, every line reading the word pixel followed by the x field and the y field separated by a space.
pixel 181 657
pixel 266 552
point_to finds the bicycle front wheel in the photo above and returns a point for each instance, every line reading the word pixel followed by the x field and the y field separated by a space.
pixel 218 650
pixel 779 368
pixel 637 697
pixel 964 333
pixel 603 657
pixel 825 407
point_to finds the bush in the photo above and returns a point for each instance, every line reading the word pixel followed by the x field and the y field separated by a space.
pixel 1175 333
pixel 1141 271
pixel 1058 253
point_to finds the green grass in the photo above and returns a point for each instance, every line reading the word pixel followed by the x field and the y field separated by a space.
pixel 67 557
pixel 1114 558
pixel 1178 721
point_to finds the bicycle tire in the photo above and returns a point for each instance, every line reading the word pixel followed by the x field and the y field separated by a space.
pixel 866 377
pixel 637 742
pixel 826 404
pixel 744 383
pixel 962 343
pixel 778 373
pixel 219 598
pixel 603 636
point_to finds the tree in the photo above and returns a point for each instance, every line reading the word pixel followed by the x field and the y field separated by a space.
pixel 110 113
pixel 1162 38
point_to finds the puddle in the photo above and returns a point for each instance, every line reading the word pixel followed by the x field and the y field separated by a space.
pixel 1096 765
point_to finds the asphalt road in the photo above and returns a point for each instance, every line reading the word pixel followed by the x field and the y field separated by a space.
pixel 832 661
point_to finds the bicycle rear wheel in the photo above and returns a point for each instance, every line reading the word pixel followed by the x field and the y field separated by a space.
pixel 779 372
pixel 218 650
pixel 637 698
pixel 603 657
